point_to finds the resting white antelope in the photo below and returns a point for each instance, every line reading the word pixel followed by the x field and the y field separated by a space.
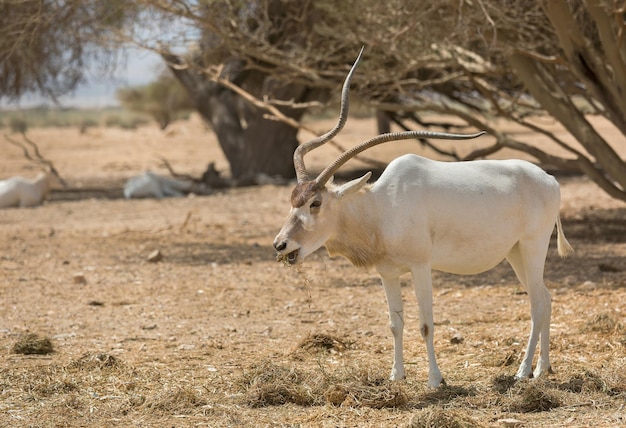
pixel 23 192
pixel 458 217
pixel 151 185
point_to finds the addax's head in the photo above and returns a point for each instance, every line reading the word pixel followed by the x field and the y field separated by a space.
pixel 311 221
pixel 313 217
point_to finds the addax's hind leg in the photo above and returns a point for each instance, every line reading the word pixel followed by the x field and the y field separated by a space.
pixel 528 260
pixel 422 281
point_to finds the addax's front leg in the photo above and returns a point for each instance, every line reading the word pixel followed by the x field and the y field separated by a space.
pixel 422 281
pixel 396 323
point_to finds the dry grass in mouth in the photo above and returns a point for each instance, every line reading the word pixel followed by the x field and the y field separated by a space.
pixel 299 269
pixel 282 258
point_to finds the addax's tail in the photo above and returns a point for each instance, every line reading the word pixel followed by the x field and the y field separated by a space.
pixel 564 248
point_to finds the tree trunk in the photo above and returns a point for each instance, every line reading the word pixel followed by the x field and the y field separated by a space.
pixel 383 123
pixel 252 144
pixel 545 89
pixel 600 68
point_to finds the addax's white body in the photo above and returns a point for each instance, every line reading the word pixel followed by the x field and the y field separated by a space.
pixel 464 217
pixel 458 217
pixel 22 192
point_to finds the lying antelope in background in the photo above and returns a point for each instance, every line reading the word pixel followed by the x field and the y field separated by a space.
pixel 23 192
pixel 151 185
pixel 457 217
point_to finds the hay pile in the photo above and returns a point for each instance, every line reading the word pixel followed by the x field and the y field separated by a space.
pixel 32 344
pixel 270 384
pixel 96 361
pixel 439 417
pixel 322 341
pixel 535 396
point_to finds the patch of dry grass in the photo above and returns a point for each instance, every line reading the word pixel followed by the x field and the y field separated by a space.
pixel 94 387
pixel 96 361
pixel 269 384
pixel 332 377
pixel 323 341
pixel 32 344
pixel 439 417
pixel 534 396
pixel 363 390
pixel 178 400
pixel 604 323
pixel 503 383
pixel 320 343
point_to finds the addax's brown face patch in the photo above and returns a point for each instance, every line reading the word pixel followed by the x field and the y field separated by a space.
pixel 306 227
pixel 302 193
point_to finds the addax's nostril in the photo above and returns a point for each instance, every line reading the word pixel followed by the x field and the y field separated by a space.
pixel 280 246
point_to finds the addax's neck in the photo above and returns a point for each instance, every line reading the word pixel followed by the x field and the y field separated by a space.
pixel 358 232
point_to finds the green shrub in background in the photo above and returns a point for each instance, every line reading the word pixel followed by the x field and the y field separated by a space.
pixel 83 119
pixel 164 100
pixel 18 125
pixel 87 123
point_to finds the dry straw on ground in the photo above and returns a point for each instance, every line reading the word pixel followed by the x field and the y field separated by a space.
pixel 32 344
pixel 534 396
pixel 439 417
pixel 268 384
pixel 218 334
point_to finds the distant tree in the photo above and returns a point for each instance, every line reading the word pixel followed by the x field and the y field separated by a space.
pixel 162 99
pixel 478 61
pixel 252 143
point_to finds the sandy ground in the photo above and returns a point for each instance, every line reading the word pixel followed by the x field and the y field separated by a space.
pixel 199 337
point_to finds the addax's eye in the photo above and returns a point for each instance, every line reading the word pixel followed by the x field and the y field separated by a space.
pixel 316 204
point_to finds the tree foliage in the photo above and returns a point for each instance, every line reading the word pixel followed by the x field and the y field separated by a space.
pixel 46 45
pixel 477 60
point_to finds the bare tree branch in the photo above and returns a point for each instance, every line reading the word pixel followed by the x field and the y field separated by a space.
pixel 166 164
pixel 38 159
pixel 278 115
pixel 425 142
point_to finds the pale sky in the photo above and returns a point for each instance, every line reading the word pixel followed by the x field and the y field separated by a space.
pixel 140 68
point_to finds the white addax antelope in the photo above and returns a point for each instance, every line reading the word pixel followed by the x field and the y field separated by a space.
pixel 23 192
pixel 457 217
pixel 151 185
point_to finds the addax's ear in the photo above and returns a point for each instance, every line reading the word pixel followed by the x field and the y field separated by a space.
pixel 353 186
